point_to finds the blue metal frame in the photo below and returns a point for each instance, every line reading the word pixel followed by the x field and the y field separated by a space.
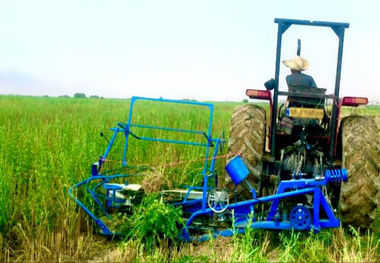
pixel 199 207
pixel 126 129
pixel 290 188
pixel 92 191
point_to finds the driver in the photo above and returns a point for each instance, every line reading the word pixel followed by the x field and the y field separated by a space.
pixel 297 78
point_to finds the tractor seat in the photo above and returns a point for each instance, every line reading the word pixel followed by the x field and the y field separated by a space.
pixel 306 97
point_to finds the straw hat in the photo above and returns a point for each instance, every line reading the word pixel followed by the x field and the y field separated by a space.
pixel 296 63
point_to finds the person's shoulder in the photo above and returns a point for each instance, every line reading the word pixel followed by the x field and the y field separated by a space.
pixel 290 76
pixel 307 76
pixel 310 80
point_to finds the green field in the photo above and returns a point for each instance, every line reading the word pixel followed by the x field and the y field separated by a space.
pixel 48 144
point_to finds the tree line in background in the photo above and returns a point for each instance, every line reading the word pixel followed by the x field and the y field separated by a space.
pixel 80 95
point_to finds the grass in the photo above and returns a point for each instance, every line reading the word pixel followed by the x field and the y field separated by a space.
pixel 333 245
pixel 48 144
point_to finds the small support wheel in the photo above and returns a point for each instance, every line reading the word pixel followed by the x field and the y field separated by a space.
pixel 218 200
pixel 300 217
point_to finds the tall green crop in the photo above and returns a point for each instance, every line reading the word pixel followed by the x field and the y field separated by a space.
pixel 48 145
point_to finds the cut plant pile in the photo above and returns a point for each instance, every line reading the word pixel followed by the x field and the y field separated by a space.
pixel 154 182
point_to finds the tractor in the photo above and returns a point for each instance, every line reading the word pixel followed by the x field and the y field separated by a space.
pixel 305 136
pixel 290 174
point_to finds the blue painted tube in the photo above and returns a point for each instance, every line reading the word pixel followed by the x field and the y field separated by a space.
pixel 111 142
pixel 129 125
pixel 212 165
pixel 92 193
pixel 134 98
pixel 174 141
pixel 168 129
pixel 105 230
pixel 99 222
pixel 311 23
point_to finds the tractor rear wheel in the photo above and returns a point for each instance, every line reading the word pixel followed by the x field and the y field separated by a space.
pixel 247 138
pixel 360 195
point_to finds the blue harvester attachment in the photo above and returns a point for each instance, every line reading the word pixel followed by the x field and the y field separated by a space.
pixel 207 209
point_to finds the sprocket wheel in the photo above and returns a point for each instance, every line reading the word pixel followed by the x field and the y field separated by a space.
pixel 300 217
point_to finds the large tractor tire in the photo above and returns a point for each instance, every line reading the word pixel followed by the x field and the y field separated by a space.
pixel 360 196
pixel 247 138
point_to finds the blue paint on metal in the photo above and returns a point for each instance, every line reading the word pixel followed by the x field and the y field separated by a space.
pixel 110 198
pixel 94 169
pixel 296 188
pixel 300 217
pixel 130 125
pixel 115 130
pixel 94 195
pixel 336 175
pixel 168 129
pixel 290 22
pixel 215 153
pixel 105 230
pixel 173 141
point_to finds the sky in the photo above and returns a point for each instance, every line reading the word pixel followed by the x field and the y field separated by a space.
pixel 198 49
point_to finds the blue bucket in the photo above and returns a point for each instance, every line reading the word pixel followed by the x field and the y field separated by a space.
pixel 237 170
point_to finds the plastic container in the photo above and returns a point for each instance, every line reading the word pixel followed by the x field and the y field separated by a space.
pixel 237 170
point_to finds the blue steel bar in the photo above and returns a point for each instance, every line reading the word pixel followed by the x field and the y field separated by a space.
pixel 93 194
pixel 204 195
pixel 126 131
pixel 209 138
pixel 214 155
pixel 116 130
pixel 316 204
pixel 99 222
pixel 175 101
pixel 173 141
pixel 168 129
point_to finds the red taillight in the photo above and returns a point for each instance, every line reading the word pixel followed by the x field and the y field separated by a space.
pixel 258 94
pixel 354 101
